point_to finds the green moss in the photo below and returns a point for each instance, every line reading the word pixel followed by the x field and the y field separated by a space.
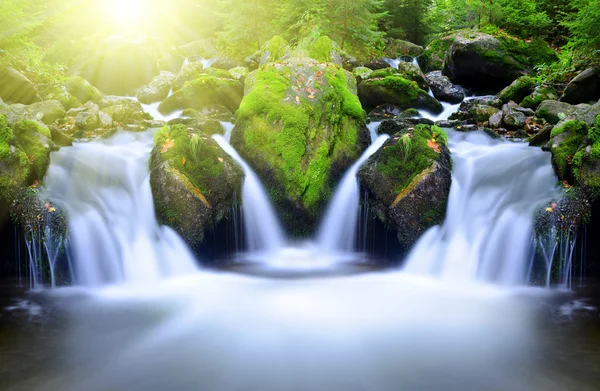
pixel 203 92
pixel 277 47
pixel 34 139
pixel 572 126
pixel 192 153
pixel 321 50
pixel 538 96
pixel 518 90
pixel 401 170
pixel 409 113
pixel 216 73
pixel 407 88
pixel 594 134
pixel 586 168
pixel 82 90
pixel 384 72
pixel 597 122
pixel 6 136
pixel 564 152
pixel 299 130
pixel 362 72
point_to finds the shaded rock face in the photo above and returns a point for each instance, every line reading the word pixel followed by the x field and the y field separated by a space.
pixel 554 111
pixel 412 72
pixel 157 89
pixel 443 89
pixel 517 90
pixel 377 63
pixel 47 111
pixel 387 86
pixel 408 187
pixel 584 88
pixel 300 126
pixel 105 68
pixel 480 61
pixel 16 88
pixel 395 48
pixel 194 182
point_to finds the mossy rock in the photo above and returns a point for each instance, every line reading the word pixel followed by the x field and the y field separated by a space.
pixel 205 91
pixel 60 93
pixel 395 48
pixel 239 73
pixel 194 182
pixel 432 58
pixel 412 72
pixel 14 166
pixel 276 49
pixel 125 111
pixel 361 73
pixel 395 90
pixel 325 50
pixel 482 113
pixel 566 139
pixel 408 181
pixel 539 94
pixel 518 89
pixel 16 87
pixel 48 111
pixel 158 88
pixel 82 90
pixel 300 126
pixel 35 140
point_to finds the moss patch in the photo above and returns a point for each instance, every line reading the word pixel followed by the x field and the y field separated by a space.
pixel 322 49
pixel 518 90
pixel 203 92
pixel 34 139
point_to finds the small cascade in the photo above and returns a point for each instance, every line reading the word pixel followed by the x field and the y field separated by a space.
pixel 373 126
pixel 338 229
pixel 394 62
pixel 263 230
pixel 104 187
pixel 496 188
pixel 557 249
pixel 152 109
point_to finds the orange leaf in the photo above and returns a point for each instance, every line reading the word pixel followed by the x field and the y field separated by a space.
pixel 167 145
pixel 311 96
pixel 183 161
pixel 433 145
pixel 297 99
pixel 319 73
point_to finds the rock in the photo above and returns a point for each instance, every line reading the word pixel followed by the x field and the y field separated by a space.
pixel 517 90
pixel 449 123
pixel 555 111
pixel 412 72
pixel 349 62
pixel 194 182
pixel 528 112
pixel 47 111
pixel 59 138
pixel 205 91
pixel 202 48
pixel 126 111
pixel 566 139
pixel 408 181
pixel 87 117
pixel 487 63
pixel 433 56
pixel 395 48
pixel 82 90
pixel 36 141
pixel 491 133
pixel 541 137
pixel 377 63
pixel 104 66
pixel 16 88
pixel 300 126
pixel 520 133
pixel 482 113
pixel 539 94
pixel 325 50
pixel 495 120
pixel 239 73
pixel 384 111
pixel 60 93
pixel 443 89
pixel 361 73
pixel 14 166
pixel 512 118
pixel 384 87
pixel 157 89
pixel 276 49
pixel 189 71
pixel 584 88
pixel 224 63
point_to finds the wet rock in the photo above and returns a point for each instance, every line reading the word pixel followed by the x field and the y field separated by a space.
pixel 541 137
pixel 482 113
pixel 47 111
pixel 517 90
pixel 412 72
pixel 202 48
pixel 377 63
pixel 555 111
pixel 443 89
pixel 584 88
pixel 224 63
pixel 565 140
pixel 512 118
pixel 361 73
pixel 83 90
pixel 188 72
pixel 276 49
pixel 59 137
pixel 157 89
pixel 539 94
pixel 395 48
pixel 495 120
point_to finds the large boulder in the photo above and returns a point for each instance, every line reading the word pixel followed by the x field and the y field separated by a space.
pixel 566 139
pixel 387 86
pixel 554 111
pixel 408 181
pixel 276 49
pixel 14 167
pixel 89 117
pixel 586 162
pixel 395 48
pixel 47 111
pixel 194 182
pixel 202 48
pixel 188 72
pixel 539 94
pixel 60 93
pixel 157 89
pixel 584 88
pixel 82 90
pixel 412 72
pixel 518 90
pixel 16 88
pixel 443 89
pixel 487 63
pixel 300 126
pixel 36 141
pixel 205 91
pixel 104 66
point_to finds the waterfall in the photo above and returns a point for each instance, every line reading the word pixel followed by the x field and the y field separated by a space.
pixel 104 187
pixel 337 231
pixel 263 230
pixel 496 188
pixel 373 126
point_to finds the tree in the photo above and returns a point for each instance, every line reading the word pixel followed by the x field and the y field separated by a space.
pixel 247 24
pixel 408 19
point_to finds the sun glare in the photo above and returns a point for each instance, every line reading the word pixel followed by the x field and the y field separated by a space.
pixel 125 12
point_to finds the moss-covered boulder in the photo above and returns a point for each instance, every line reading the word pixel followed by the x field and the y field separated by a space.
pixel 518 89
pixel 202 48
pixel 36 141
pixel 188 72
pixel 60 93
pixel 395 48
pixel 555 111
pixel 387 86
pixel 83 90
pixel 566 139
pixel 48 111
pixel 432 58
pixel 486 62
pixel 89 117
pixel 194 182
pixel 412 72
pixel 408 181
pixel 539 94
pixel 205 91
pixel 157 89
pixel 300 125
pixel 584 88
pixel 276 49
pixel 361 73
pixel 14 167
pixel 586 162
pixel 16 88
pixel 239 73
pixel 123 111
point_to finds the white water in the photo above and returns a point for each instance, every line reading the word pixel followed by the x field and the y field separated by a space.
pixel 263 230
pixel 104 186
pixel 394 62
pixel 373 126
pixel 338 229
pixel 496 188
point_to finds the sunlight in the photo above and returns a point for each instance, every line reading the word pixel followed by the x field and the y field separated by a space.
pixel 125 14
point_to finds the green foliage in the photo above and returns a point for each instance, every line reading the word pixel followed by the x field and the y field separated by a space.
pixel 407 19
pixel 571 126
pixel 406 142
pixel 518 90
pixel 321 49
pixel 585 30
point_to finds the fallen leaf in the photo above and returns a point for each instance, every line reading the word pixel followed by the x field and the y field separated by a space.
pixel 34 184
pixel 548 209
pixel 167 145
pixel 51 210
pixel 297 99
pixel 183 161
pixel 220 159
pixel 319 73
pixel 311 97
pixel 433 145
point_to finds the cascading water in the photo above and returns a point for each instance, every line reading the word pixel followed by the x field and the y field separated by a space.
pixel 337 232
pixel 113 233
pixel 263 230
pixel 496 188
